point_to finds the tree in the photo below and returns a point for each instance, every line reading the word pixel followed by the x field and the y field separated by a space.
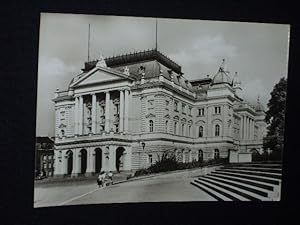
pixel 275 117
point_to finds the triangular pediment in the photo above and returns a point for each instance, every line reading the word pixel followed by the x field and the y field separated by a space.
pixel 100 75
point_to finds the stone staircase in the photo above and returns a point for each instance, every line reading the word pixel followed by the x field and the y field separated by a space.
pixel 243 182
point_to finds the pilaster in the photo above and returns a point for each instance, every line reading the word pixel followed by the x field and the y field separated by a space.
pixel 107 111
pixel 94 113
pixel 126 109
pixel 121 113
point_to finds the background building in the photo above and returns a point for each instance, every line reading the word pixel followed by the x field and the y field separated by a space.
pixel 44 157
pixel 123 113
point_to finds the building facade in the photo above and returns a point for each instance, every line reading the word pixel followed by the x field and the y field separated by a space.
pixel 44 157
pixel 122 113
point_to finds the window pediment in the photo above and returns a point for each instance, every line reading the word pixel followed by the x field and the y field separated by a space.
pixel 167 116
pixel 62 125
pixel 150 115
pixel 200 122
pixel 176 118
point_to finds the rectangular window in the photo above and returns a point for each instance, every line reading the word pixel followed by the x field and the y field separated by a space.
pixel 175 106
pixel 151 104
pixel 201 112
pixel 167 105
pixel 150 159
pixel 190 111
pixel 218 110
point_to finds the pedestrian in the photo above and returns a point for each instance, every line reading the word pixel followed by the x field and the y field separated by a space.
pixel 110 176
pixel 100 179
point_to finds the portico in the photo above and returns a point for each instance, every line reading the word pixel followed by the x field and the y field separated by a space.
pixel 114 117
pixel 91 160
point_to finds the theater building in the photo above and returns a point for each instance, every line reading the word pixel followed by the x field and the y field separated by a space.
pixel 122 113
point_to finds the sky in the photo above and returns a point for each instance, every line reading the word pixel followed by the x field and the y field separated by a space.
pixel 258 52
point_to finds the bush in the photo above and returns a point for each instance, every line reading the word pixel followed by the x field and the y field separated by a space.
pixel 274 156
pixel 168 162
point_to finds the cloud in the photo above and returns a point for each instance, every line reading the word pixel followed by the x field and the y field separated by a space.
pixel 206 50
pixel 54 67
pixel 52 73
pixel 254 88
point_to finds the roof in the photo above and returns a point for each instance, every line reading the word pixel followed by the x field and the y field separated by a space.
pixel 201 81
pixel 259 107
pixel 44 140
pixel 222 76
pixel 131 58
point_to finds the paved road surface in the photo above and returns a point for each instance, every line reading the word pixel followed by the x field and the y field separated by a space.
pixel 162 188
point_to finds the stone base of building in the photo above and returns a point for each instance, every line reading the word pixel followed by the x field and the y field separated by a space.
pixel 240 157
pixel 59 176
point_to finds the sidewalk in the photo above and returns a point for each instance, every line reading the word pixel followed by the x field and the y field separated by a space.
pixel 122 177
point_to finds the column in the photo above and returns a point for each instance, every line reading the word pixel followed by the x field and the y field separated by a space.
pixel 126 107
pixel 121 113
pixel 241 128
pixel 249 128
pixel 94 113
pixel 76 116
pixel 80 117
pixel 107 103
pixel 112 158
pixel 252 129
pixel 90 161
pixel 244 130
pixel 75 170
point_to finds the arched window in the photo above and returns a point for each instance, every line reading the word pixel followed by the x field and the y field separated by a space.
pixel 151 125
pixel 217 130
pixel 189 130
pixel 166 127
pixel 182 129
pixel 200 131
pixel 62 132
pixel 175 127
pixel 216 154
pixel 200 155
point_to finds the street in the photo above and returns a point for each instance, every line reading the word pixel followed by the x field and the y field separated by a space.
pixel 162 188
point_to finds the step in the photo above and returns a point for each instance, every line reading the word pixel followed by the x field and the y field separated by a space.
pixel 210 191
pixel 265 174
pixel 250 188
pixel 275 166
pixel 261 169
pixel 252 177
pixel 245 181
pixel 244 193
pixel 224 192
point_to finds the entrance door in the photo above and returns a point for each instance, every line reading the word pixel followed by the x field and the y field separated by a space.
pixel 120 158
pixel 98 160
pixel 83 154
pixel 69 162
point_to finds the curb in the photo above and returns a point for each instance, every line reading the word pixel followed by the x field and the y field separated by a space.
pixel 163 173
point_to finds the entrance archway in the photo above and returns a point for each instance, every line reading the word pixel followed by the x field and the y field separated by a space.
pixel 69 156
pixel 216 154
pixel 200 156
pixel 83 154
pixel 120 158
pixel 98 160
